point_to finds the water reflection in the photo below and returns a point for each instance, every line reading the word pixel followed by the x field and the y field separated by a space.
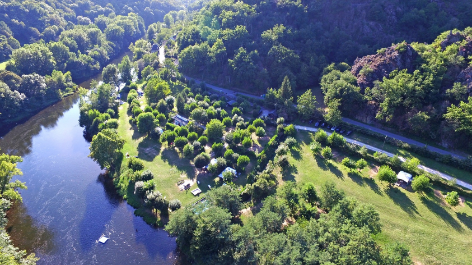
pixel 19 139
pixel 27 233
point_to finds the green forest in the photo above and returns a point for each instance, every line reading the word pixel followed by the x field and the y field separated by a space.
pixel 299 197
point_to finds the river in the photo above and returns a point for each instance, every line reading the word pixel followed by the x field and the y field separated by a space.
pixel 69 204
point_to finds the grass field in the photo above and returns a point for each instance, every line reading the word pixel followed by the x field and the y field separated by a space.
pixel 3 65
pixel 452 171
pixel 435 232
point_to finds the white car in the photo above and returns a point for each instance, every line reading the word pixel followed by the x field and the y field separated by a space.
pixel 333 128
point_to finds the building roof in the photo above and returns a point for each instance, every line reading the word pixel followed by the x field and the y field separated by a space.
pixel 180 118
pixel 232 102
pixel 402 175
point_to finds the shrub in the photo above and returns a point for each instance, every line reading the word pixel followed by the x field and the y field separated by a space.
pixel 182 131
pixel 227 122
pixel 290 130
pixel 315 147
pixel 251 128
pixel 192 136
pixel 148 109
pixel 243 161
pixel 348 163
pixel 247 142
pixel 139 188
pixel 215 129
pixel 217 148
pixel 197 146
pixel 135 164
pixel 137 111
pixel 147 175
pixel 321 137
pixel 170 126
pixel 260 132
pixel 309 193
pixel 336 139
pixel 258 123
pixel 387 174
pixel 395 161
pixel 228 176
pixel 228 154
pixel 203 140
pixel 180 141
pixel 282 149
pixel 283 162
pixel 420 183
pixel 291 142
pixel 201 160
pixel 280 121
pixel 145 122
pixel 327 153
pixel 236 111
pixel 452 198
pixel 175 204
pixel 188 150
pixel 112 124
pixel 361 164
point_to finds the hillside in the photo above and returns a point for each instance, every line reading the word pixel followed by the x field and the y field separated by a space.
pixel 418 88
pixel 254 44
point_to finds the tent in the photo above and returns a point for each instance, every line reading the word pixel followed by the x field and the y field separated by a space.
pixel 230 170
pixel 402 175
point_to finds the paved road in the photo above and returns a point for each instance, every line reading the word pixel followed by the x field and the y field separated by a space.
pixel 375 149
pixel 401 138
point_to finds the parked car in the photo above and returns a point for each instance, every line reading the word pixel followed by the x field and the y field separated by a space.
pixel 323 124
pixel 311 121
pixel 349 132
pixel 342 131
pixel 338 129
pixel 328 126
pixel 317 124
pixel 333 128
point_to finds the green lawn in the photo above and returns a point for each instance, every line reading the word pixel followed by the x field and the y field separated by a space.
pixel 452 171
pixel 435 232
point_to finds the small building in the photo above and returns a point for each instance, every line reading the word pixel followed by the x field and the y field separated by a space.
pixel 232 170
pixel 405 177
pixel 179 120
pixel 271 114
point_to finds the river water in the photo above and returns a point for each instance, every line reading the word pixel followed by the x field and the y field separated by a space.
pixel 68 204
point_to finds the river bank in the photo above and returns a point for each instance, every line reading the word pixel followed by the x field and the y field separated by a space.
pixel 69 204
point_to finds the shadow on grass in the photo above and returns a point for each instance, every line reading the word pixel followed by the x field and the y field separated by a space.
pixel 360 180
pixel 171 157
pixel 334 169
pixel 400 199
pixel 296 154
pixel 321 163
pixel 148 149
pixel 430 201
pixel 288 174
pixel 465 219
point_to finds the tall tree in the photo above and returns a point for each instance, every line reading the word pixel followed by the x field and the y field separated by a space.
pixel 125 70
pixel 105 148
pixel 306 105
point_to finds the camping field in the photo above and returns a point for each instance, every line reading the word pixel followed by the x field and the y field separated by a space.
pixel 435 232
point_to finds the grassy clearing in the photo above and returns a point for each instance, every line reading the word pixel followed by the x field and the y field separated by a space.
pixel 3 65
pixel 435 232
pixel 452 171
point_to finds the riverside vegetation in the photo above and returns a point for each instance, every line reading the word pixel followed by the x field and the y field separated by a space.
pixel 300 198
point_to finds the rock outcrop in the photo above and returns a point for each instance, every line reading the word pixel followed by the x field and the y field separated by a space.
pixel 375 67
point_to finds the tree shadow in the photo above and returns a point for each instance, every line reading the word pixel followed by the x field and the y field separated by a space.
pixel 432 203
pixel 27 233
pixel 321 163
pixel 289 174
pixel 334 169
pixel 362 181
pixel 400 199
pixel 171 157
pixel 373 185
pixel 148 149
pixel 465 219
pixel 296 154
pixel 136 134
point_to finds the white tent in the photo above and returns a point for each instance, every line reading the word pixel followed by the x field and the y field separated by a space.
pixel 230 170
pixel 402 175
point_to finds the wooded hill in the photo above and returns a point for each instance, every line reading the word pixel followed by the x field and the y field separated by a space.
pixel 419 88
pixel 255 44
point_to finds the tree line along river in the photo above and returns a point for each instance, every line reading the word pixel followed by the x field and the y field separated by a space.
pixel 68 204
